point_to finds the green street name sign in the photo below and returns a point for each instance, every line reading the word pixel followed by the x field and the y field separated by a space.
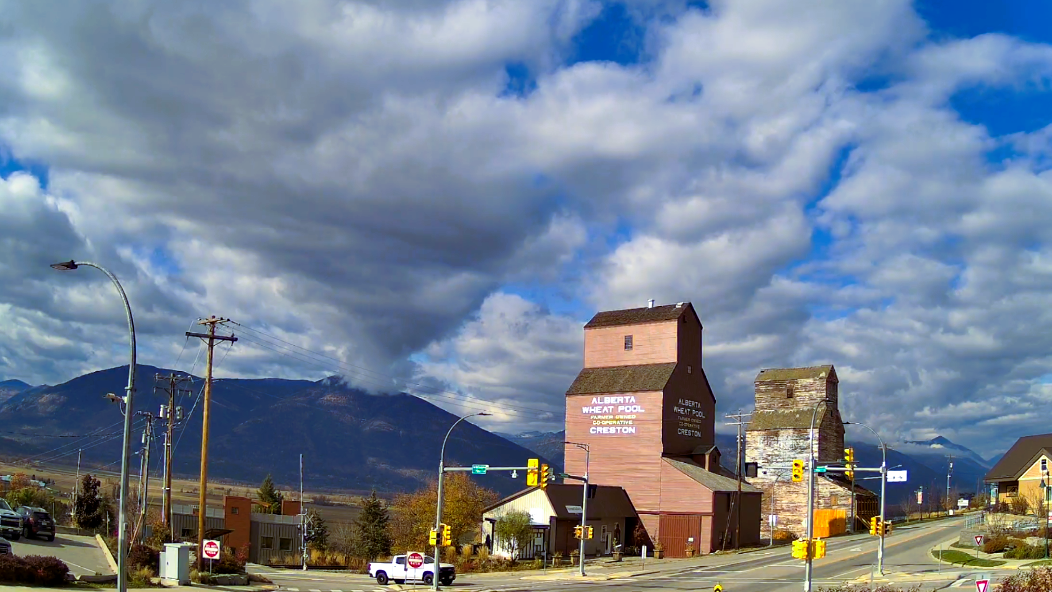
pixel 479 469
pixel 820 469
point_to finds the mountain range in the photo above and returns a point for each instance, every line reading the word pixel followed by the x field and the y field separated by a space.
pixel 925 462
pixel 10 388
pixel 350 440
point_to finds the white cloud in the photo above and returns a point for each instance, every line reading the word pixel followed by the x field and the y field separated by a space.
pixel 352 177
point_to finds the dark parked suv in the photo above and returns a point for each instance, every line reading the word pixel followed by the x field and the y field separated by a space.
pixel 37 522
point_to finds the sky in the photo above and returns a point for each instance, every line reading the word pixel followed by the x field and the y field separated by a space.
pixel 435 196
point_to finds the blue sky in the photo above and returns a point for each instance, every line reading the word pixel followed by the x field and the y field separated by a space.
pixel 443 194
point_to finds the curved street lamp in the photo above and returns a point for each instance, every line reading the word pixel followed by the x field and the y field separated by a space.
pixel 883 486
pixel 122 539
pixel 441 474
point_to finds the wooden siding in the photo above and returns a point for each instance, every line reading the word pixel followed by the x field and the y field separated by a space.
pixel 681 494
pixel 689 411
pixel 807 392
pixel 652 343
pixel 677 530
pixel 689 343
pixel 632 461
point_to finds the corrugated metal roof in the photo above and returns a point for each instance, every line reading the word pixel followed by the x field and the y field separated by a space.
pixel 708 479
pixel 622 379
pixel 1019 457
pixel 772 374
pixel 777 419
pixel 636 316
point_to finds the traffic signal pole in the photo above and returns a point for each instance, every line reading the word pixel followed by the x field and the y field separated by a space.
pixel 811 495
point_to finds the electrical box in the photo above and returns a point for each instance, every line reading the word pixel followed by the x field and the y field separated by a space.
pixel 175 563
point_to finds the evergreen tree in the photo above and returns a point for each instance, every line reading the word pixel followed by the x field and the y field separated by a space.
pixel 372 526
pixel 317 531
pixel 269 497
pixel 90 508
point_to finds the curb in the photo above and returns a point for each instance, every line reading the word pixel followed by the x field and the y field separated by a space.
pixel 601 578
pixel 106 552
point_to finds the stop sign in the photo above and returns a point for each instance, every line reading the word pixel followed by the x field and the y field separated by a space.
pixel 210 550
pixel 415 560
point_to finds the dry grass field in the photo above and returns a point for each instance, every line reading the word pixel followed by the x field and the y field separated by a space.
pixel 334 507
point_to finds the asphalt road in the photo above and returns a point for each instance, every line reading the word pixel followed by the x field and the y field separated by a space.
pixel 81 553
pixel 848 560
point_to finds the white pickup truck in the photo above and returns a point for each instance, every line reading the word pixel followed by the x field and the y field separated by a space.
pixel 400 570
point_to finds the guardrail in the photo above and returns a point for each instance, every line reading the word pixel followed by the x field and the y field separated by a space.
pixel 975 520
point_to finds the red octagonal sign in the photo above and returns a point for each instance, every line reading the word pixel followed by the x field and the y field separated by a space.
pixel 211 550
pixel 415 560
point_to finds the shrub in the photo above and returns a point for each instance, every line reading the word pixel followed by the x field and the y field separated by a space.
pixel 140 556
pixel 996 544
pixel 33 570
pixel 1020 505
pixel 1025 551
pixel 1038 579
pixel 231 562
pixel 140 577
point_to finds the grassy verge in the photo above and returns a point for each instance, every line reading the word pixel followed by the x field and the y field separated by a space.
pixel 965 559
pixel 1042 563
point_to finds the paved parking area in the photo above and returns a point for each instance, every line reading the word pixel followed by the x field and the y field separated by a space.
pixel 81 553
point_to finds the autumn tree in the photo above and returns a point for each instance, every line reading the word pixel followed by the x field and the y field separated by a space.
pixel 514 531
pixel 19 481
pixel 269 497
pixel 414 513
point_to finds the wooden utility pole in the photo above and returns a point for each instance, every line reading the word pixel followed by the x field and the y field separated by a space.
pixel 170 418
pixel 202 500
pixel 740 422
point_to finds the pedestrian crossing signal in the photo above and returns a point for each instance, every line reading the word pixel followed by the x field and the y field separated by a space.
pixel 798 470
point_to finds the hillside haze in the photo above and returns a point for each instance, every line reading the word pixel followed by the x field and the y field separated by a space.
pixel 351 440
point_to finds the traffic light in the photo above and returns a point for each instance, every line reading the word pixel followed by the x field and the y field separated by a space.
pixel 447 536
pixel 849 458
pixel 432 538
pixel 819 550
pixel 577 531
pixel 532 476
pixel 883 529
pixel 874 525
pixel 547 473
pixel 798 470
pixel 589 533
pixel 800 549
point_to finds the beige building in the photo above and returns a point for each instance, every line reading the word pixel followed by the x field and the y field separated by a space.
pixel 555 511
pixel 1021 471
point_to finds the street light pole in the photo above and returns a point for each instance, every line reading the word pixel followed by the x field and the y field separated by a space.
pixel 584 503
pixel 438 513
pixel 883 489
pixel 811 495
pixel 122 536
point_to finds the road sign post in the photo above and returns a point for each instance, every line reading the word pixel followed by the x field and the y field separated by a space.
pixel 978 543
pixel 210 550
